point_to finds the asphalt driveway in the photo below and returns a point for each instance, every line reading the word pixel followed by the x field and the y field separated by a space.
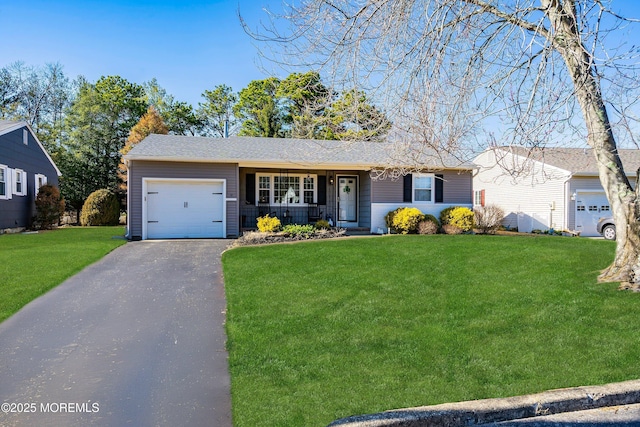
pixel 136 339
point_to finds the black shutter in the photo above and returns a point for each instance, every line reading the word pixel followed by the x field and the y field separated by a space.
pixel 322 190
pixel 439 188
pixel 408 184
pixel 251 188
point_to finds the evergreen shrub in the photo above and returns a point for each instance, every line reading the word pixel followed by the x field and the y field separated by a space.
pixel 100 208
pixel 49 207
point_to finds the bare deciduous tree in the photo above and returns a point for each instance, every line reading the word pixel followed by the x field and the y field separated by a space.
pixel 538 70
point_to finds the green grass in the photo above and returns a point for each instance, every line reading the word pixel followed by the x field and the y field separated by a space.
pixel 327 329
pixel 32 264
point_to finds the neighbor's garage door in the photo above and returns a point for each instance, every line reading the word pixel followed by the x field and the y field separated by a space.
pixel 185 209
pixel 590 207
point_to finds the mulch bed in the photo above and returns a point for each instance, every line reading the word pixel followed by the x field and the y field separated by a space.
pixel 258 238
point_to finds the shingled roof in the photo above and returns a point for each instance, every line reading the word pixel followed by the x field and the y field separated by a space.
pixel 7 125
pixel 272 152
pixel 579 161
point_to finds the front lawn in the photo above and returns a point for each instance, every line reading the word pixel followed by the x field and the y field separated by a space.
pixel 32 264
pixel 327 329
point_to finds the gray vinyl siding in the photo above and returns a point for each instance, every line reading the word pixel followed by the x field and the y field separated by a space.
pixel 150 169
pixel 386 190
pixel 364 201
pixel 457 188
pixel 19 210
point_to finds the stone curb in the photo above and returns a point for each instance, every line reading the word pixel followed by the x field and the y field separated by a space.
pixel 485 411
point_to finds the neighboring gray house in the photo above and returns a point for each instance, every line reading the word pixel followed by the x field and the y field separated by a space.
pixel 25 166
pixel 181 186
pixel 546 188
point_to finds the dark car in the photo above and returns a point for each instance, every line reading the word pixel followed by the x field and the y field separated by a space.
pixel 607 228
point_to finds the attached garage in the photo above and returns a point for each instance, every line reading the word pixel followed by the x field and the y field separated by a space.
pixel 590 207
pixel 183 208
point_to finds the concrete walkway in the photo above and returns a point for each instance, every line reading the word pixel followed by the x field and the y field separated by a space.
pixel 608 405
pixel 136 339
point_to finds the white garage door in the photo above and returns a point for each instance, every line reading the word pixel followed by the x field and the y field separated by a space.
pixel 590 207
pixel 184 209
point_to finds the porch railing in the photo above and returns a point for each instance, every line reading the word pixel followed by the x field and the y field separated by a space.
pixel 286 214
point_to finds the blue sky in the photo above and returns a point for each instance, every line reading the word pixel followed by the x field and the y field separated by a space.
pixel 189 46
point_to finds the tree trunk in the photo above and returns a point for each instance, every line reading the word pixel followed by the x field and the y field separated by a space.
pixel 623 200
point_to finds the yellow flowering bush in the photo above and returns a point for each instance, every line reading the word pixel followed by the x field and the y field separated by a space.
pixel 267 224
pixel 461 218
pixel 406 220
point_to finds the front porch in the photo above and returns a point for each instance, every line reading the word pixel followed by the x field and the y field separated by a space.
pixel 286 214
pixel 304 197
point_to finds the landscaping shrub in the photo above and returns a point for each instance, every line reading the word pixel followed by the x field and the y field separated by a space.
pixel 259 238
pixel 488 218
pixel 451 229
pixel 100 208
pixel 406 220
pixel 306 230
pixel 268 224
pixel 388 218
pixel 322 224
pixel 461 218
pixel 429 217
pixel 427 227
pixel 445 215
pixel 49 207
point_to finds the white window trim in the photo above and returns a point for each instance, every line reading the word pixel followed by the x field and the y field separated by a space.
pixel 8 188
pixel 477 198
pixel 302 176
pixel 23 182
pixel 433 187
pixel 44 182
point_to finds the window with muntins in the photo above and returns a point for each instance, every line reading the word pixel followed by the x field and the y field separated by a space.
pixel 287 189
pixel 4 181
pixel 477 198
pixel 19 182
pixel 264 189
pixel 40 181
pixel 309 189
pixel 423 188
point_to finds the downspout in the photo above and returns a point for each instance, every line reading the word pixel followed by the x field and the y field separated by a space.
pixel 567 201
pixel 127 234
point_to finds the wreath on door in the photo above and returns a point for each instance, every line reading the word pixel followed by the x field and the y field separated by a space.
pixel 347 189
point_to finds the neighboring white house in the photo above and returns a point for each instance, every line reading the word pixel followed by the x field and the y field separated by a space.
pixel 547 188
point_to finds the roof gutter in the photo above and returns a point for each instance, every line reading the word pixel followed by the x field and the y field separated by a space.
pixel 273 163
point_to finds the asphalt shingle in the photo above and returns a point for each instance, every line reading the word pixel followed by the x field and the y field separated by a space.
pixel 301 152
pixel 576 160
